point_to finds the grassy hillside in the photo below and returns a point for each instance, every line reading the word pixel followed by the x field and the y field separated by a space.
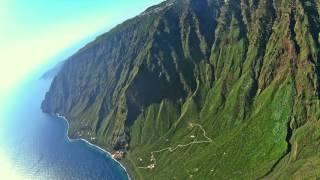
pixel 205 89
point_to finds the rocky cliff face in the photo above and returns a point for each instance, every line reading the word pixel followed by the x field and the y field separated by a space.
pixel 202 88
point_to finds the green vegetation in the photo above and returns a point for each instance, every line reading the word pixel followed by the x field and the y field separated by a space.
pixel 244 72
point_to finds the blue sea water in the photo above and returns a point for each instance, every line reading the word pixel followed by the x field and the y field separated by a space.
pixel 37 146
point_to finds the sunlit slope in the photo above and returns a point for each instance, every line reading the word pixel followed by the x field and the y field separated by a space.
pixel 202 88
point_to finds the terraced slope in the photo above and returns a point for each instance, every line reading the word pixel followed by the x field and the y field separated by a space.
pixel 240 76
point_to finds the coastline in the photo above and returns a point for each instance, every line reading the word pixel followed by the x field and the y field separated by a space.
pixel 90 144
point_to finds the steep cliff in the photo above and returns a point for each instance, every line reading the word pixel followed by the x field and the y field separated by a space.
pixel 202 88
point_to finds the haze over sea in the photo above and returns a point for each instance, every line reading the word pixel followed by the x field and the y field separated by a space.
pixel 36 35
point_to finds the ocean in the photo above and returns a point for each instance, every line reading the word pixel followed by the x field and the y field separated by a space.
pixel 34 145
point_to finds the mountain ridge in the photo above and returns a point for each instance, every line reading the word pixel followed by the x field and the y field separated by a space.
pixel 246 71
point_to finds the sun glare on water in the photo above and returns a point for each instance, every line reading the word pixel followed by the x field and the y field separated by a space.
pixel 6 169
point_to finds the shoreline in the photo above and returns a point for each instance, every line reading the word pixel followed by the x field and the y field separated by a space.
pixel 90 144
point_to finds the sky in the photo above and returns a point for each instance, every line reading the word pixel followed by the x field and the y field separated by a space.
pixel 32 32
